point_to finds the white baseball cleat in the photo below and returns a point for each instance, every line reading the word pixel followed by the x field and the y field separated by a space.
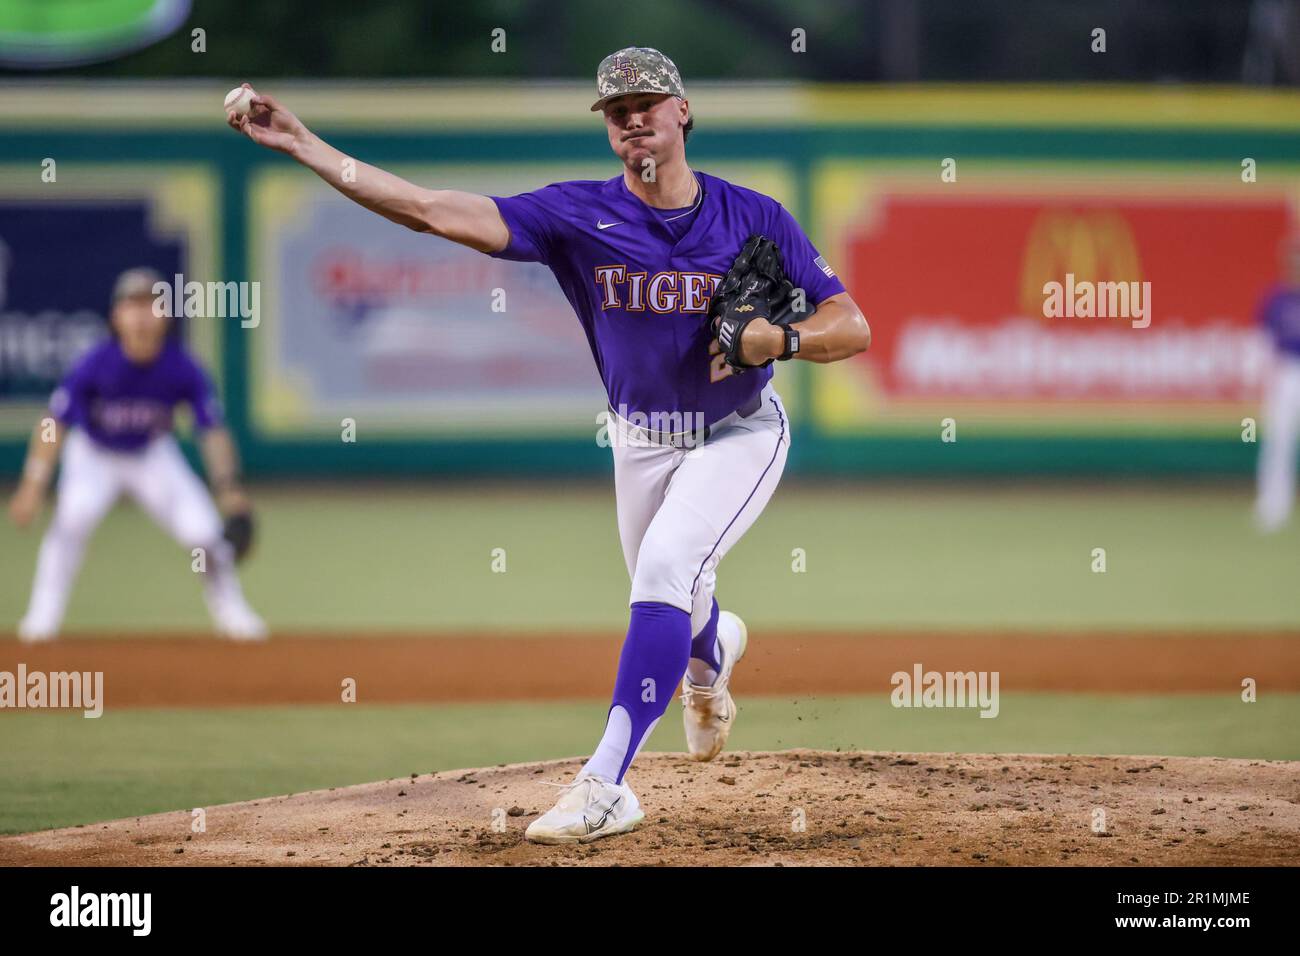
pixel 30 632
pixel 239 623
pixel 709 711
pixel 589 808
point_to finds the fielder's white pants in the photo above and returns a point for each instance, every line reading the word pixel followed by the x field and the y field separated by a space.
pixel 1276 474
pixel 680 511
pixel 161 482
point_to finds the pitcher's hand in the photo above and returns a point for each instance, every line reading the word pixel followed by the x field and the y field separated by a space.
pixel 269 124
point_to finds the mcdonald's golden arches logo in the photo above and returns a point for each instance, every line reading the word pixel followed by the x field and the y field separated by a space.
pixel 1094 246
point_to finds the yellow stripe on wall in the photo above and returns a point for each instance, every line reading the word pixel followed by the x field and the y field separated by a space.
pixel 534 105
pixel 1095 105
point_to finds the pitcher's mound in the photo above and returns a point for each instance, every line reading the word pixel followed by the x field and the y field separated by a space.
pixel 790 808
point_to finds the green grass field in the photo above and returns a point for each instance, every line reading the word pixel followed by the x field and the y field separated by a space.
pixel 876 558
pixel 886 557
pixel 62 769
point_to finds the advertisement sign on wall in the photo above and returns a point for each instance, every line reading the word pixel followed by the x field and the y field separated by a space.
pixel 1049 298
pixel 63 245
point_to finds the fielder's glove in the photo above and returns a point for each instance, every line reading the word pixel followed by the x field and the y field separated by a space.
pixel 239 532
pixel 754 288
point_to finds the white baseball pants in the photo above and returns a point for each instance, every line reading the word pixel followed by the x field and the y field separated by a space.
pixel 681 510
pixel 162 483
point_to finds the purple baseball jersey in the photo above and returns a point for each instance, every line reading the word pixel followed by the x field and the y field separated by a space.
pixel 640 280
pixel 1280 315
pixel 122 406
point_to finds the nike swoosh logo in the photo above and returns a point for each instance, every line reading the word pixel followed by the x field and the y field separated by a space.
pixel 606 225
pixel 604 817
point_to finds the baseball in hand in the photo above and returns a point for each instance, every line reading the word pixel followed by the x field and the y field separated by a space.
pixel 240 99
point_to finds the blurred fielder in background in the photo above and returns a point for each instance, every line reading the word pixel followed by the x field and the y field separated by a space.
pixel 1280 316
pixel 113 412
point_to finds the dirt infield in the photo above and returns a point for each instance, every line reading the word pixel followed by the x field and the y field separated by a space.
pixel 191 671
pixel 786 808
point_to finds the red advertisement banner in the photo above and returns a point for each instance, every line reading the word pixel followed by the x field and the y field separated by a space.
pixel 1124 297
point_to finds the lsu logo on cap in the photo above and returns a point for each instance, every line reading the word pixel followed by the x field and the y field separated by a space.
pixel 627 69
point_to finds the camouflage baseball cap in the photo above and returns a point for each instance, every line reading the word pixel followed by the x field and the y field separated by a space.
pixel 636 69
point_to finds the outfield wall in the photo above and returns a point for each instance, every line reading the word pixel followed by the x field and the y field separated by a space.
pixel 945 210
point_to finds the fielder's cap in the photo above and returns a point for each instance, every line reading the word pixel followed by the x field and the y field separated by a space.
pixel 135 283
pixel 636 69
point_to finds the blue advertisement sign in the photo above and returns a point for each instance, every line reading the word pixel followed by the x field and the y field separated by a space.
pixel 58 263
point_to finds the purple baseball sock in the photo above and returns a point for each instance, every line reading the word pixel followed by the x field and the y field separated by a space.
pixel 654 658
pixel 704 645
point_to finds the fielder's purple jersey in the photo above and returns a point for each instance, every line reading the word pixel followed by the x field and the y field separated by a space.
pixel 122 406
pixel 1280 315
pixel 640 280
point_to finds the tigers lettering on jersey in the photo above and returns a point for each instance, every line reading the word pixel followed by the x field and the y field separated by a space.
pixel 665 292
pixel 118 415
pixel 122 406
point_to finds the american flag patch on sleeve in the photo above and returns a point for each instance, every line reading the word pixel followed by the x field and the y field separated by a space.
pixel 820 263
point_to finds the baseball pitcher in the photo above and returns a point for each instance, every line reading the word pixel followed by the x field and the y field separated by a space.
pixel 112 417
pixel 688 288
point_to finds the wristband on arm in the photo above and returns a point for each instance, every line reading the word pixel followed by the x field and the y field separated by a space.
pixel 791 344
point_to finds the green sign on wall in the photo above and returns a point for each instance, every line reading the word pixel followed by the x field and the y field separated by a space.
pixel 44 34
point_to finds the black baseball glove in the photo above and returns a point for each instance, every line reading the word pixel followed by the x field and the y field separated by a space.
pixel 239 532
pixel 754 288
